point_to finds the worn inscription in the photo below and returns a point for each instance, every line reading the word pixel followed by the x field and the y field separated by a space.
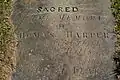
pixel 64 40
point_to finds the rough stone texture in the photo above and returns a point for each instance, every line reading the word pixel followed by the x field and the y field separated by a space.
pixel 64 45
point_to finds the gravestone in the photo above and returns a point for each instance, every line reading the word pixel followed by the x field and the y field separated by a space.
pixel 64 40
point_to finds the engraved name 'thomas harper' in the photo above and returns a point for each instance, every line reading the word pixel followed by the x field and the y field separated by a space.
pixel 57 9
pixel 67 34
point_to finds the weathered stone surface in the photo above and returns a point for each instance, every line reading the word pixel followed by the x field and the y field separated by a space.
pixel 64 40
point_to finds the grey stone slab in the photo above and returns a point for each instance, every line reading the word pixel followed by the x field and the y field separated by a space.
pixel 64 40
